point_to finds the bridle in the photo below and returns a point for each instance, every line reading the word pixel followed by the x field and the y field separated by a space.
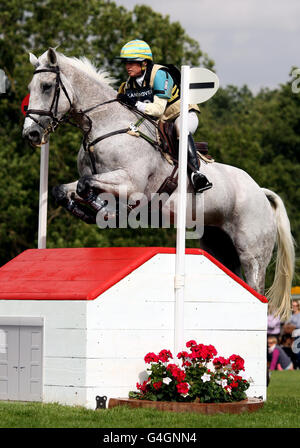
pixel 52 112
pixel 55 121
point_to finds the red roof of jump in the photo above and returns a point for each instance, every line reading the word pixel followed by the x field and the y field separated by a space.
pixel 79 273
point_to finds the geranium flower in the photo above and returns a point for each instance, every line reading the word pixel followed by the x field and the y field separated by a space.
pixel 191 343
pixel 165 355
pixel 237 363
pixel 182 388
pixel 142 387
pixel 157 385
pixel 183 354
pixel 176 372
pixel 220 362
pixel 151 357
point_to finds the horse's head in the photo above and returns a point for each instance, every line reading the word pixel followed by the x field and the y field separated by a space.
pixel 51 96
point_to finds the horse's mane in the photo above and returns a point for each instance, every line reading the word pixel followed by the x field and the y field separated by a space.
pixel 85 65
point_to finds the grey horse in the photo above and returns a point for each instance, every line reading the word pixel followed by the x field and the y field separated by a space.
pixel 242 221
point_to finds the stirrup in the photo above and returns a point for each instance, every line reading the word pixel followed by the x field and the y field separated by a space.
pixel 200 182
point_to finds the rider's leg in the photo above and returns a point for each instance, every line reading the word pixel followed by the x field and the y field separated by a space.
pixel 198 180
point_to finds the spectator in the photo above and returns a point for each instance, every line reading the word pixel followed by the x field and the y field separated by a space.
pixel 296 346
pixel 294 321
pixel 279 360
pixel 286 344
pixel 273 325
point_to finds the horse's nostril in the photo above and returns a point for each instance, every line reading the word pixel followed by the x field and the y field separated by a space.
pixel 34 136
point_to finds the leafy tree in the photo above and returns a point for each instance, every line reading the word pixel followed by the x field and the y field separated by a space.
pixel 95 29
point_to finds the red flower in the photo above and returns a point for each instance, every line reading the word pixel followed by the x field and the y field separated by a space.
pixel 151 357
pixel 183 355
pixel 157 385
pixel 176 372
pixel 182 388
pixel 142 387
pixel 203 352
pixel 220 362
pixel 237 363
pixel 186 363
pixel 165 355
pixel 191 343
pixel 171 367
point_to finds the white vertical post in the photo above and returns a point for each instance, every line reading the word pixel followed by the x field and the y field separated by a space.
pixel 181 214
pixel 43 198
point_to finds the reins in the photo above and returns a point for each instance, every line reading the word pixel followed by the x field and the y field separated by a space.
pixel 132 129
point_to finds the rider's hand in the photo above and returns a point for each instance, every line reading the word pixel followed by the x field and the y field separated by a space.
pixel 125 99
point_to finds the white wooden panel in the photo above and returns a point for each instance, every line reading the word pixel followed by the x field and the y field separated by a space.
pixel 72 396
pixel 58 313
pixel 65 342
pixel 130 313
pixel 216 288
pixel 135 312
pixel 69 372
pixel 115 372
pixel 120 344
pixel 225 315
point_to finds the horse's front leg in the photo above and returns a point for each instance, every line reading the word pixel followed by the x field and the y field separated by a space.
pixel 115 183
pixel 66 196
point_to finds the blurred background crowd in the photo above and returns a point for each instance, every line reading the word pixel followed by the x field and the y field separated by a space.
pixel 284 340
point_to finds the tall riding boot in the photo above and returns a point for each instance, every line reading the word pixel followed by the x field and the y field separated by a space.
pixel 199 181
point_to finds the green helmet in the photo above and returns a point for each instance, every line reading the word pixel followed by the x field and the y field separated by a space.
pixel 136 50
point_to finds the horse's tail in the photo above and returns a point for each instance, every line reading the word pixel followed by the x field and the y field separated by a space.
pixel 279 293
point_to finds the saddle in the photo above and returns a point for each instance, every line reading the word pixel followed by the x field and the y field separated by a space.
pixel 170 144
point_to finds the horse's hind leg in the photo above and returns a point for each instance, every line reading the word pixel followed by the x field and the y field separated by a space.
pixel 254 272
pixel 65 195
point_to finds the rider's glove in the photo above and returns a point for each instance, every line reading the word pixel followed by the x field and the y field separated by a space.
pixel 125 99
pixel 141 106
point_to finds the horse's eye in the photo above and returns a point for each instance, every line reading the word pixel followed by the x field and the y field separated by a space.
pixel 46 87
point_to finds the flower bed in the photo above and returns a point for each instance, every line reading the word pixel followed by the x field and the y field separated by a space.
pixel 202 377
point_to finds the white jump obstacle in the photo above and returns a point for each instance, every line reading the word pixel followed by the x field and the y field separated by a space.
pixel 77 323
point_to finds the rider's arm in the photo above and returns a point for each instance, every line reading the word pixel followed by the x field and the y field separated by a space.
pixel 155 109
pixel 162 90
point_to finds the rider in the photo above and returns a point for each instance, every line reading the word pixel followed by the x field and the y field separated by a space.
pixel 151 89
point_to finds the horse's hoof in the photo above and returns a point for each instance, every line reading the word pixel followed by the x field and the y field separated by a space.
pixel 83 186
pixel 59 193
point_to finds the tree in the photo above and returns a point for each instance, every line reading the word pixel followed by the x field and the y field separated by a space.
pixel 95 29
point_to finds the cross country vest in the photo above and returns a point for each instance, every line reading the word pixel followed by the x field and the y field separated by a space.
pixel 145 93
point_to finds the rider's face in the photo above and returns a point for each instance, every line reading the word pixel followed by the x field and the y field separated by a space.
pixel 134 69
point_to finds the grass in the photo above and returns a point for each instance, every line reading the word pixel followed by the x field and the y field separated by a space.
pixel 281 410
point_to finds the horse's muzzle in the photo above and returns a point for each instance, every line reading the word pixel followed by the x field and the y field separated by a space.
pixel 35 135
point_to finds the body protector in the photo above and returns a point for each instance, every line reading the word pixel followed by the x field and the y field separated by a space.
pixel 159 90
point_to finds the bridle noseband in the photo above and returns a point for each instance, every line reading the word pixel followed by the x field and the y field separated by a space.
pixel 52 113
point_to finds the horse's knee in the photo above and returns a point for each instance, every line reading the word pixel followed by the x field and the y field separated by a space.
pixel 83 186
pixel 60 194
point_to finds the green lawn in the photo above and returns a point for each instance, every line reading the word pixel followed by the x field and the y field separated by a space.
pixel 281 410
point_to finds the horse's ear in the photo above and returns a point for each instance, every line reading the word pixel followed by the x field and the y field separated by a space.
pixel 33 60
pixel 51 55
